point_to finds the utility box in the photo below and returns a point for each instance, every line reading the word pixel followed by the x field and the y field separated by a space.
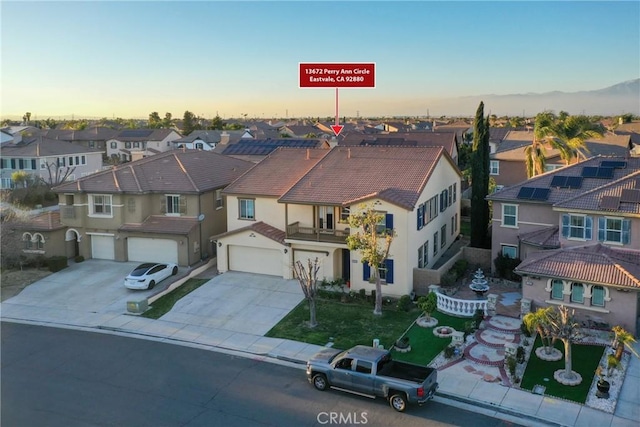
pixel 137 307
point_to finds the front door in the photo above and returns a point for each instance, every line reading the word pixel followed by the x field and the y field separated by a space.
pixel 325 218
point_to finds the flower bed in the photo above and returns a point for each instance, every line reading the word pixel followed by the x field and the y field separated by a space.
pixel 443 331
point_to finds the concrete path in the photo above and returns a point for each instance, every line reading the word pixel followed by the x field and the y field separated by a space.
pixel 233 311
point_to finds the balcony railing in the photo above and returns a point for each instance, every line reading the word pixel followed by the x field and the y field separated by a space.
pixel 297 232
pixel 68 212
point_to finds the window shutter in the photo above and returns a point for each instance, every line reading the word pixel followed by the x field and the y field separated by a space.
pixel 420 213
pixel 442 201
pixel 366 271
pixel 388 263
pixel 601 225
pixel 626 231
pixel 565 225
pixel 588 227
pixel 389 221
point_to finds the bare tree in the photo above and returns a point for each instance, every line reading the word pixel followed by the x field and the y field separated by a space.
pixel 308 278
pixel 57 175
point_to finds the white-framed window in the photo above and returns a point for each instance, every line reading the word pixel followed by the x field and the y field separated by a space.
pixel 509 215
pixel 381 226
pixel 101 205
pixel 450 194
pixel 345 211
pixel 510 251
pixel 443 236
pixel 494 167
pixel 453 224
pixel 28 243
pixel 597 296
pixel 435 243
pixel 38 241
pixel 127 145
pixel 199 146
pixel 114 145
pixel 455 191
pixel 92 144
pixel 577 292
pixel 219 200
pixel 577 225
pixel 71 161
pixel 423 255
pixel 613 230
pixel 83 160
pixel 173 204
pixel 136 144
pixel 557 289
pixel 247 209
pixel 551 167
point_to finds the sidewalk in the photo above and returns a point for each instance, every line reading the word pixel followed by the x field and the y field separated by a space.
pixel 457 386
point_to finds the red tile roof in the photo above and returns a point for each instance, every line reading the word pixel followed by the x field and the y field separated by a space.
pixel 348 175
pixel 409 139
pixel 277 172
pixel 259 227
pixel 596 264
pixel 163 224
pixel 180 171
pixel 547 238
pixel 45 221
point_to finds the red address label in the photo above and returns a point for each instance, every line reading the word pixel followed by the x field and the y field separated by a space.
pixel 337 75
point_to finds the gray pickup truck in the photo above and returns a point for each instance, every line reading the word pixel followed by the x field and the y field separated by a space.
pixel 370 372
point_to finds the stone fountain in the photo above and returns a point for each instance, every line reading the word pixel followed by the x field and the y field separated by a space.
pixel 479 284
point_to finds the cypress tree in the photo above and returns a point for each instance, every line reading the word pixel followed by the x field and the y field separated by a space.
pixel 480 180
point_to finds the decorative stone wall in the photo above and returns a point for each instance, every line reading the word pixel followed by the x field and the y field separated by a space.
pixel 478 256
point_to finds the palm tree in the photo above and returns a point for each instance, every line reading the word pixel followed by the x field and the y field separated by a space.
pixel 535 153
pixel 621 340
pixel 539 321
pixel 569 135
pixel 565 328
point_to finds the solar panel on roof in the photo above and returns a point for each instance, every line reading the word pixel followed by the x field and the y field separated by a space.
pixel 574 181
pixel 540 194
pixel 525 193
pixel 589 172
pixel 604 173
pixel 617 164
pixel 630 195
pixel 135 133
pixel 559 181
pixel 610 203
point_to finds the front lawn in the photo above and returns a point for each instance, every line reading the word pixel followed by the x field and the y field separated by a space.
pixel 349 324
pixel 425 346
pixel 163 304
pixel 585 360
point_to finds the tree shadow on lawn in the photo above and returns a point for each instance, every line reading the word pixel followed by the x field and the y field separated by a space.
pixel 585 360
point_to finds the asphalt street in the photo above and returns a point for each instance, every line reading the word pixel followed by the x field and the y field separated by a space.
pixel 62 377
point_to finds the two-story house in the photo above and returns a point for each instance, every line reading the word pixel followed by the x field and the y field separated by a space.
pixel 133 144
pixel 161 208
pixel 51 160
pixel 94 137
pixel 295 203
pixel 208 139
pixel 577 230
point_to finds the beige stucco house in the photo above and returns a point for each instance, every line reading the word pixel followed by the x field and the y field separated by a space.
pixel 295 203
pixel 577 231
pixel 161 208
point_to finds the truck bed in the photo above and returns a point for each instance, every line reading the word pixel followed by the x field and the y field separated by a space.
pixel 405 371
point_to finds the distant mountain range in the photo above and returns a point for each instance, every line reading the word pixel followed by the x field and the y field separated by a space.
pixel 617 99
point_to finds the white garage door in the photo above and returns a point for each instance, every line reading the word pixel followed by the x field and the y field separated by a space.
pixel 255 260
pixel 152 250
pixel 102 247
pixel 304 257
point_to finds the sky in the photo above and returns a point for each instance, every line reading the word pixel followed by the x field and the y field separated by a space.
pixel 127 59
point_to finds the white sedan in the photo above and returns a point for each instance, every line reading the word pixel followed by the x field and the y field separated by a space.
pixel 145 276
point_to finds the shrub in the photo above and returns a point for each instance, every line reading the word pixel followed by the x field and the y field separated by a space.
pixel 57 263
pixel 505 266
pixel 460 267
pixel 363 294
pixel 525 331
pixel 79 258
pixel 478 317
pixel 449 351
pixel 449 278
pixel 428 304
pixel 520 354
pixel 511 365
pixel 404 303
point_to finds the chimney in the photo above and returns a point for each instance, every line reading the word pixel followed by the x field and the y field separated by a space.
pixel 348 153
pixel 224 137
pixel 308 154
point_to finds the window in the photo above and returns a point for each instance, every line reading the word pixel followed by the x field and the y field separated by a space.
pixel 83 160
pixel 363 366
pixel 510 251
pixel 455 223
pixel 551 167
pixel 444 200
pixel 173 205
pixel 577 292
pixel 614 230
pixel 71 161
pixel 450 193
pixel 435 243
pixel 381 226
pixel 26 238
pixel 576 226
pixel 509 215
pixel 4 163
pixel 494 167
pixel 455 190
pixel 114 145
pixel 385 271
pixel 420 257
pixel 43 164
pixel 247 209
pixel 219 201
pixel 131 204
pixel 345 211
pixel 443 236
pixel 344 363
pixel 557 288
pixel 423 255
pixel 136 145
pixel 127 145
pixel 597 296
pixel 420 215
pixel 77 160
pixel 101 205
pixel 199 146
pixel 92 144
pixel 38 242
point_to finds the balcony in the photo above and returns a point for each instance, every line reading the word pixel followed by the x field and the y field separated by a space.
pixel 68 212
pixel 297 232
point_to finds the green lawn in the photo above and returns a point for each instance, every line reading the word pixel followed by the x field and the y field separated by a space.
pixel 585 360
pixel 465 228
pixel 163 304
pixel 424 345
pixel 348 324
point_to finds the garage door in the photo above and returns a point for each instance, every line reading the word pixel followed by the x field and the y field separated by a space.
pixel 152 250
pixel 255 260
pixel 102 247
pixel 304 257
